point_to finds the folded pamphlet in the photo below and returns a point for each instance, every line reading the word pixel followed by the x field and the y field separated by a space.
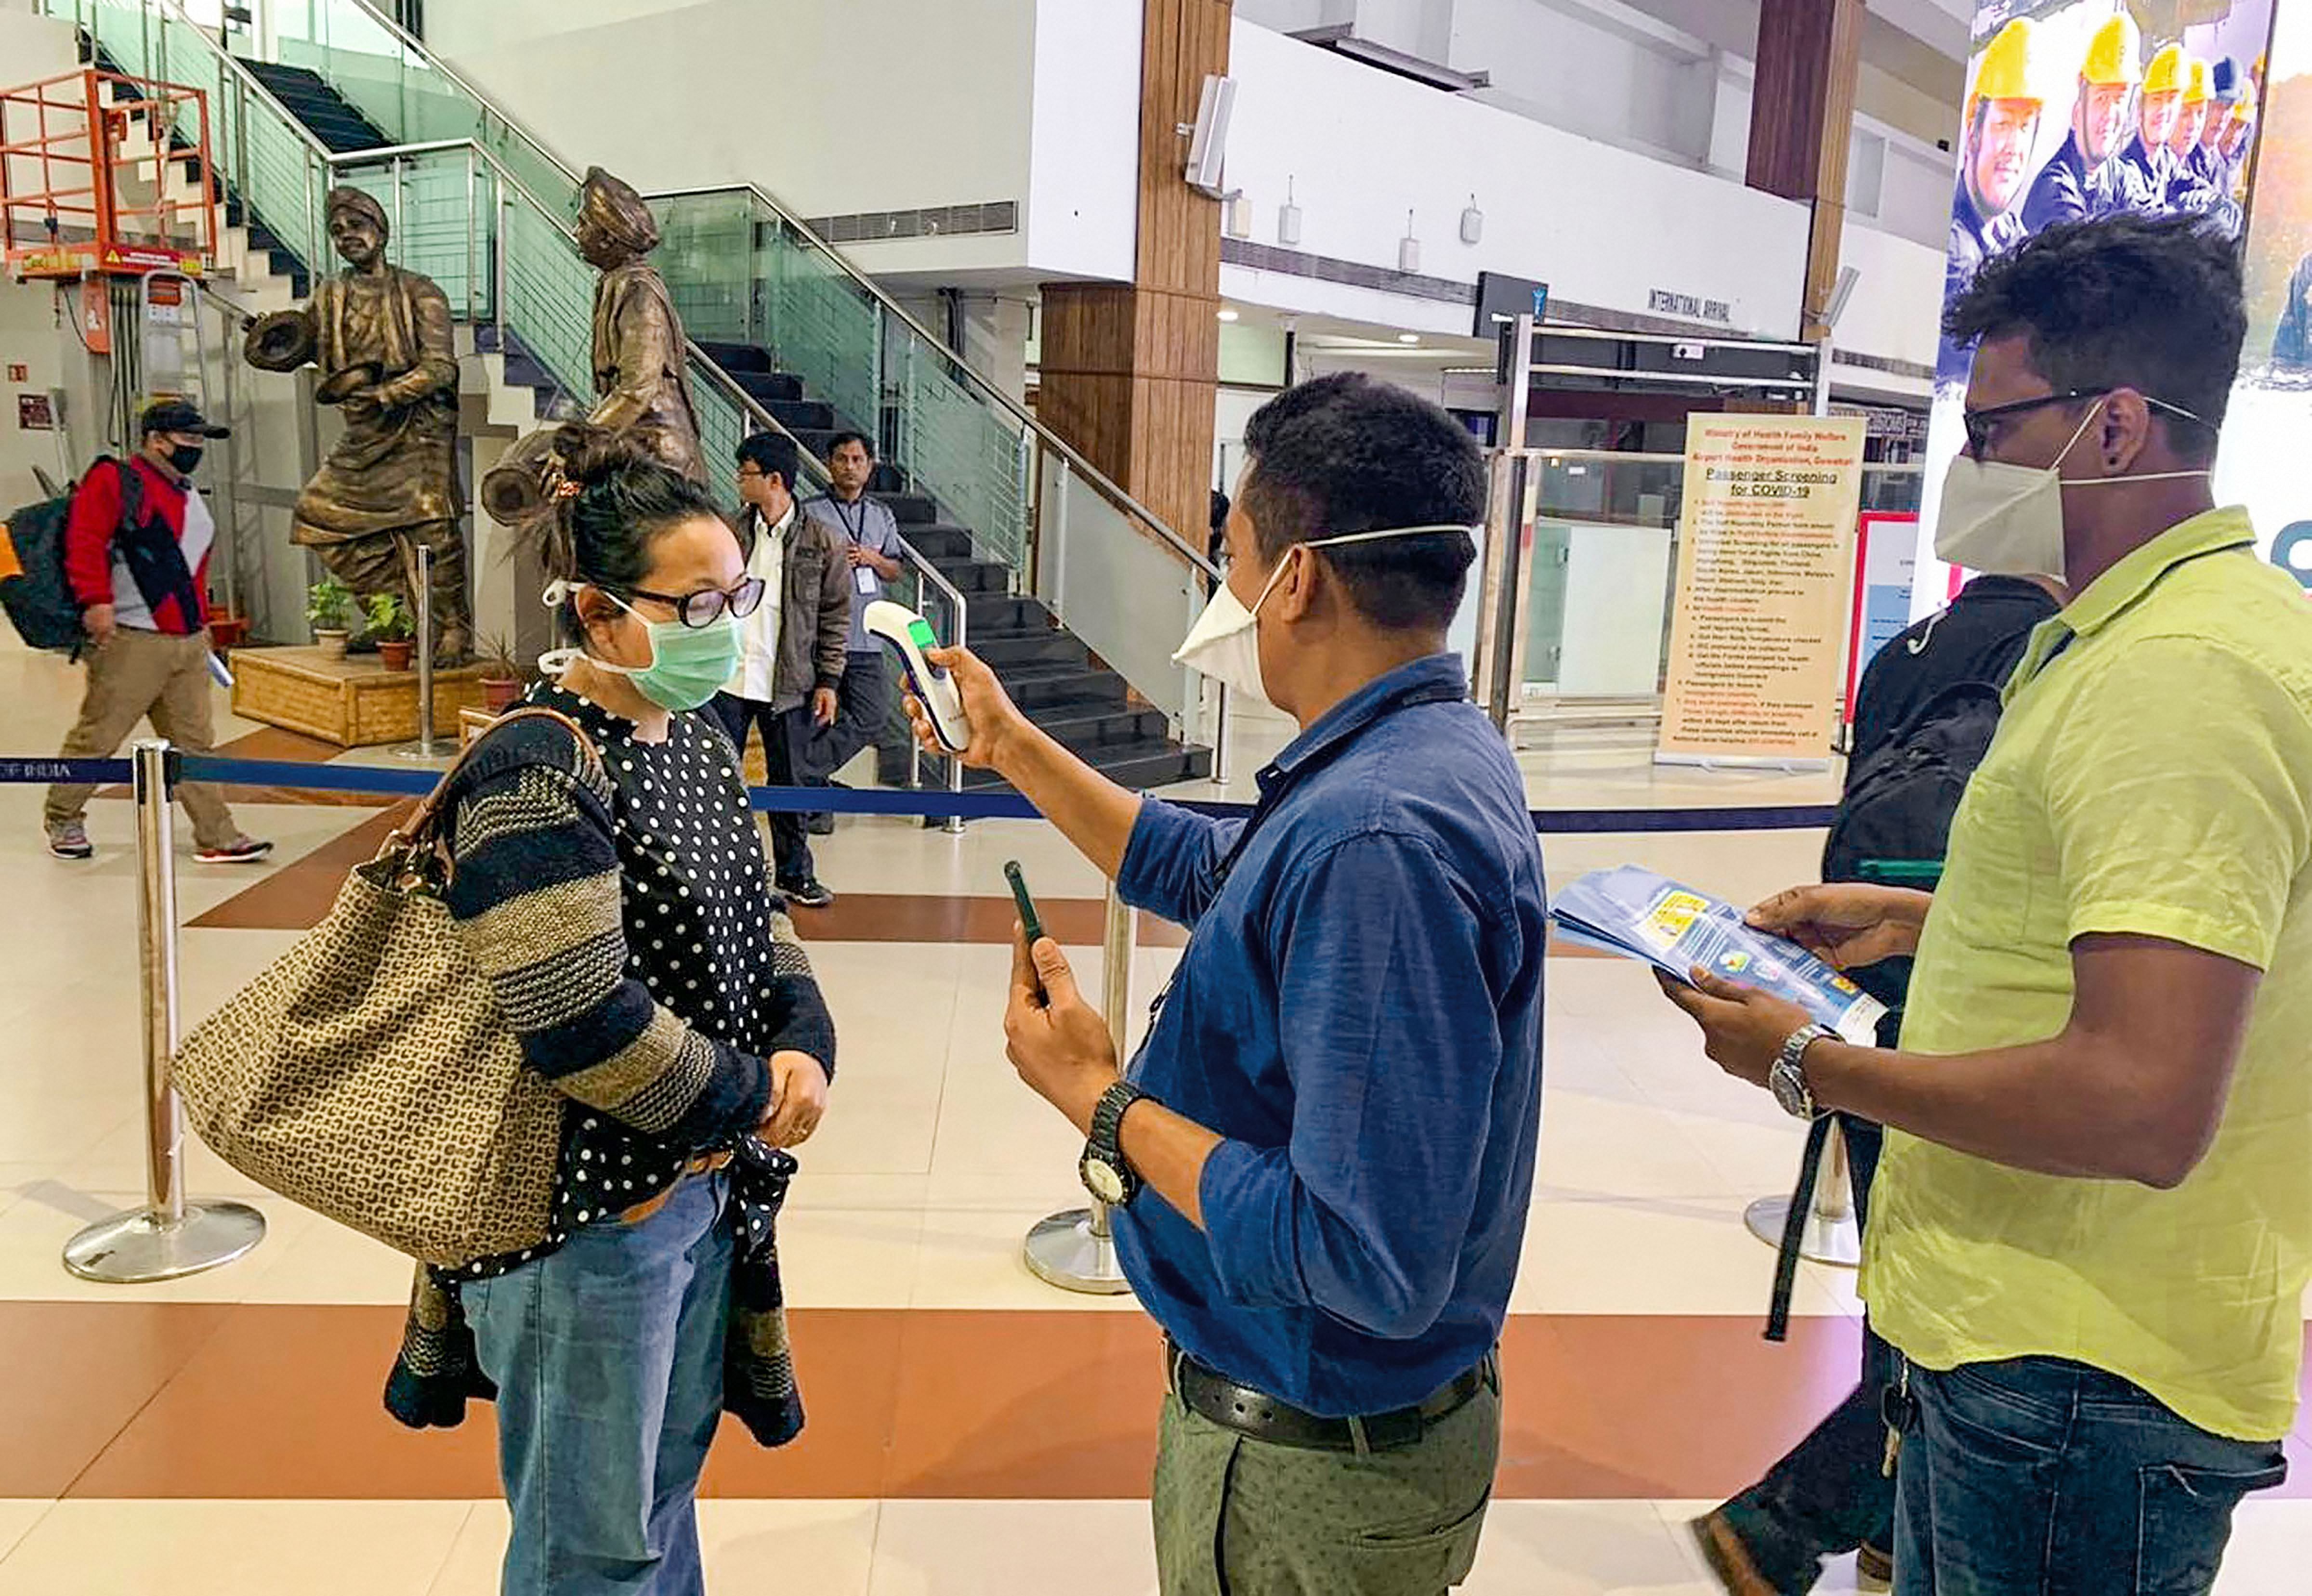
pixel 1637 914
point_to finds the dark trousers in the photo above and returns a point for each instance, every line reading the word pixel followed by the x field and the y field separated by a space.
pixel 863 713
pixel 1831 1494
pixel 2041 1478
pixel 787 762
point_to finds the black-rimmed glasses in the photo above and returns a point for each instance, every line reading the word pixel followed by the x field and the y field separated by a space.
pixel 695 610
pixel 1981 423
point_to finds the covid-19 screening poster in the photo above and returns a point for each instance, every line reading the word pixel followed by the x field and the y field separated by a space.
pixel 2078 108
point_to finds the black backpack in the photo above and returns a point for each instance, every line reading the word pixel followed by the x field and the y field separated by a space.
pixel 37 596
pixel 1900 802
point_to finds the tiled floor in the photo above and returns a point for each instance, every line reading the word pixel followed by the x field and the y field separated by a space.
pixel 972 1430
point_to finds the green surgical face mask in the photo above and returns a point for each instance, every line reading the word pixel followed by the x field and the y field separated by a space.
pixel 688 664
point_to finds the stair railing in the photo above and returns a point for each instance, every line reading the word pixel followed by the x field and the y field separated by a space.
pixel 1097 559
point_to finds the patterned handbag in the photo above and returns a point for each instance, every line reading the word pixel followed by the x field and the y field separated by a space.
pixel 369 1074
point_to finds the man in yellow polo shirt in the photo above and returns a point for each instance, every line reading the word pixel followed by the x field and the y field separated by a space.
pixel 2093 1224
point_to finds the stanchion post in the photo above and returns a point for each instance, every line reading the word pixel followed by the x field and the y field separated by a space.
pixel 1831 1235
pixel 169 1238
pixel 424 596
pixel 1075 1250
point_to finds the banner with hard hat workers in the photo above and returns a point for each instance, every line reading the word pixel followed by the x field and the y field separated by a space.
pixel 2081 109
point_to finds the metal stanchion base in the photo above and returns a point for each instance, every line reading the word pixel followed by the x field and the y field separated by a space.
pixel 137 1248
pixel 1063 1252
pixel 1833 1242
pixel 439 753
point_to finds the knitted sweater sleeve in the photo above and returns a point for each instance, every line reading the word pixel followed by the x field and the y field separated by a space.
pixel 800 1020
pixel 535 889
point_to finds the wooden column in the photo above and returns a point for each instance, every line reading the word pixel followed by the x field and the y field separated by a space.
pixel 1801 117
pixel 1131 373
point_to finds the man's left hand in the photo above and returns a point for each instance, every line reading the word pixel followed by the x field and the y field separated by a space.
pixel 1058 1041
pixel 1743 1029
pixel 823 706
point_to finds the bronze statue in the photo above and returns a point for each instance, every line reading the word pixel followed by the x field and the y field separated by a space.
pixel 639 355
pixel 382 338
pixel 639 350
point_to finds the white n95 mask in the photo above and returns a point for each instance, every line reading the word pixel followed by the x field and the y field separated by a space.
pixel 2008 520
pixel 1224 643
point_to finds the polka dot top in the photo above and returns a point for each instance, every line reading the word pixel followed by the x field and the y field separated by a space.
pixel 653 1011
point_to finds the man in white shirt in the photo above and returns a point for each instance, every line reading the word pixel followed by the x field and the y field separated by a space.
pixel 790 649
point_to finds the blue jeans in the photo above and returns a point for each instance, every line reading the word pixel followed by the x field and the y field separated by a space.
pixel 2042 1477
pixel 608 1357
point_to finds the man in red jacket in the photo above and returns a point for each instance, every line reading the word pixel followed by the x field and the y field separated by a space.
pixel 142 580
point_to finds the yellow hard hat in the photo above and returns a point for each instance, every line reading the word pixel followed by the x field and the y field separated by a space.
pixel 2200 82
pixel 2167 71
pixel 2112 52
pixel 2003 71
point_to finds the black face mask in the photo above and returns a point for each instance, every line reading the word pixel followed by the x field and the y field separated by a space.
pixel 185 457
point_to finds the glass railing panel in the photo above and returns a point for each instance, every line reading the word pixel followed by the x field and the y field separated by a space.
pixel 817 322
pixel 1127 596
pixel 549 294
pixel 955 445
pixel 706 255
pixel 723 423
pixel 281 183
pixel 123 29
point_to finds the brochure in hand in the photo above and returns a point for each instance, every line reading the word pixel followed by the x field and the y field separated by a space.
pixel 1640 915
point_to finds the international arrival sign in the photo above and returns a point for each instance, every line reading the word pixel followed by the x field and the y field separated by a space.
pixel 1765 552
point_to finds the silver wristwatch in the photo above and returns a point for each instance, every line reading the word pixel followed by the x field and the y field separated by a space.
pixel 1787 1080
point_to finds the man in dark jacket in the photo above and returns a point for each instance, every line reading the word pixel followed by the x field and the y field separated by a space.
pixel 2291 344
pixel 792 647
pixel 1832 1494
pixel 137 553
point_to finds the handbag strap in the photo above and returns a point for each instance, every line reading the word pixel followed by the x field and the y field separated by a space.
pixel 424 826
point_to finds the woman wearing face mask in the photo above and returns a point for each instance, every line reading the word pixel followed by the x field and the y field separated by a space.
pixel 621 909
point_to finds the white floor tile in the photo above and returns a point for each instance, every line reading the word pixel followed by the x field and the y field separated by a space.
pixel 1010 1549
pixel 234 1548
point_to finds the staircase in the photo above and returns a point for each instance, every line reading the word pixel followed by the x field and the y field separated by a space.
pixel 1055 679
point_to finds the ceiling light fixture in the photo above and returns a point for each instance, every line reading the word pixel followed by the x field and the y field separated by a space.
pixel 1473 223
pixel 1408 338
pixel 1288 218
pixel 1408 249
pixel 1227 316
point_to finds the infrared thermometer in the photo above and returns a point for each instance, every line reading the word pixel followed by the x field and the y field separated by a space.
pixel 910 637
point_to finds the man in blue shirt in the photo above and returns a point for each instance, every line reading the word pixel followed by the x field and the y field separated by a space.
pixel 1323 1155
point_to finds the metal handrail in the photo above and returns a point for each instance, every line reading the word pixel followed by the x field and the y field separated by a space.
pixel 490 106
pixel 1106 487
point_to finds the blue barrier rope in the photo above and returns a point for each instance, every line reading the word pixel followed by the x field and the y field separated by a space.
pixel 836 800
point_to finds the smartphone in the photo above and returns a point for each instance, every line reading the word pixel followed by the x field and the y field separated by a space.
pixel 1031 924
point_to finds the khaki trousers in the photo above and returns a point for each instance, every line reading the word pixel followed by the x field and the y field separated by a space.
pixel 146 676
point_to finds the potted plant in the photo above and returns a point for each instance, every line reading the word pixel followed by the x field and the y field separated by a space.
pixel 389 624
pixel 330 610
pixel 501 675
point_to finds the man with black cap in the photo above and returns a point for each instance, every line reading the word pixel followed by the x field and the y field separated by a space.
pixel 136 551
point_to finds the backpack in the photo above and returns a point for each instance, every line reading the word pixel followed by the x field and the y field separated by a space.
pixel 1901 801
pixel 34 592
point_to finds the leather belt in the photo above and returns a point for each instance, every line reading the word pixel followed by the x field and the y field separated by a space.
pixel 704 1165
pixel 1255 1413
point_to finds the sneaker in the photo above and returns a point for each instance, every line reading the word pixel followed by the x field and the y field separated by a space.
pixel 807 894
pixel 1874 1570
pixel 240 851
pixel 70 840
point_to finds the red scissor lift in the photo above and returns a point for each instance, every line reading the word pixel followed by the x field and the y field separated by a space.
pixel 87 175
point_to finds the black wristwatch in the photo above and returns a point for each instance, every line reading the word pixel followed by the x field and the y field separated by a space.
pixel 1107 1173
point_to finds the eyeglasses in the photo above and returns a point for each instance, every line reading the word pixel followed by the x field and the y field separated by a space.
pixel 695 610
pixel 1982 423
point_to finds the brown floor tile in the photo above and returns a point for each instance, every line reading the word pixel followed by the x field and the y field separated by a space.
pixel 295 897
pixel 283 1401
pixel 73 1375
pixel 1036 1404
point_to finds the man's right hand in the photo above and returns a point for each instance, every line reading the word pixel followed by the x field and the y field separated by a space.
pixel 97 621
pixel 995 720
pixel 1849 924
